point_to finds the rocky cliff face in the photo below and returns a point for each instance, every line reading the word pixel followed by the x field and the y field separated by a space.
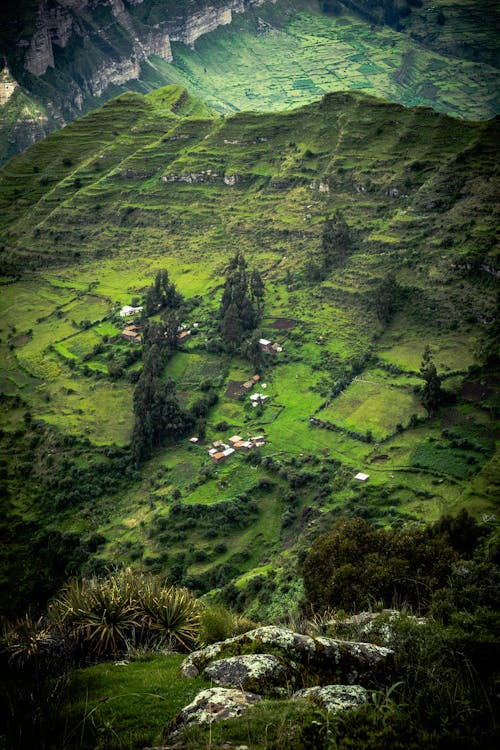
pixel 7 86
pixel 79 48
pixel 59 20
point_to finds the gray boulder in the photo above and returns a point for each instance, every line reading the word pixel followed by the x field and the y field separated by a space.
pixel 259 673
pixel 215 704
pixel 356 662
pixel 335 697
pixel 320 659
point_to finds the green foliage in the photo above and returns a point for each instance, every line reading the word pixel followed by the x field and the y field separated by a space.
pixel 241 303
pixel 172 612
pixel 107 616
pixel 218 623
pixel 431 395
pixel 141 696
pixel 356 565
pixel 388 298
pixel 158 416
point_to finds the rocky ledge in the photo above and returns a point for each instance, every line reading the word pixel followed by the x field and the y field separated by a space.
pixel 274 661
pixel 322 659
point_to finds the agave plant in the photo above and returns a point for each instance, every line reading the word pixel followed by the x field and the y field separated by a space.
pixel 99 613
pixel 26 639
pixel 172 612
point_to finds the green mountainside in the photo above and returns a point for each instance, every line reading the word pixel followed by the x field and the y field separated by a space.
pixel 274 55
pixel 373 229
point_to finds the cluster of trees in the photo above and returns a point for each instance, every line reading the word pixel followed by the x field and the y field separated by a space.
pixel 337 244
pixel 444 684
pixel 241 304
pixel 431 393
pixel 162 294
pixel 158 417
pixel 357 565
pixel 388 297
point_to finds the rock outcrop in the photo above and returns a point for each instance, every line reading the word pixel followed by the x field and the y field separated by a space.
pixel 276 661
pixel 56 25
pixel 335 697
pixel 320 659
pixel 7 86
pixel 258 673
pixel 215 704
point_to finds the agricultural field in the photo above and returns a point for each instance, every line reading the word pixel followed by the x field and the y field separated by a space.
pixel 94 212
pixel 276 55
pixel 259 62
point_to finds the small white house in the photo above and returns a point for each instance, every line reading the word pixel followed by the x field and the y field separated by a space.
pixel 255 398
pixel 361 477
pixel 128 310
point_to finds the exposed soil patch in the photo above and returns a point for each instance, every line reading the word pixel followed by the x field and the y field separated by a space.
pixel 233 389
pixel 379 459
pixel 480 389
pixel 22 339
pixel 284 324
pixel 453 417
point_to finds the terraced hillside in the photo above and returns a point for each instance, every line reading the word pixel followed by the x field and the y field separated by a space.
pixel 261 62
pixel 372 227
pixel 70 58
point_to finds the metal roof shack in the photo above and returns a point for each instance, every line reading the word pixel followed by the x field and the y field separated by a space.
pixel 218 458
pixel 128 310
pixel 256 397
pixel 361 477
pixel 243 445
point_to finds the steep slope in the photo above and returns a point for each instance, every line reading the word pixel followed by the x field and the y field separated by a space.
pixel 69 56
pixel 92 212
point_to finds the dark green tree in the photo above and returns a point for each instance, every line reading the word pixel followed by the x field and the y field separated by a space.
pixel 257 288
pixel 162 294
pixel 231 326
pixel 431 394
pixel 387 298
pixel 336 242
pixel 241 303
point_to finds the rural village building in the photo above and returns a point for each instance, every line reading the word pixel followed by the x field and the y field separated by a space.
pixel 128 310
pixel 219 451
pixel 361 477
pixel 269 347
pixel 249 384
pixel 132 333
pixel 258 398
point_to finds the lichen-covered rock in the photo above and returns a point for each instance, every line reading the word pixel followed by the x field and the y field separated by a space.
pixel 379 625
pixel 260 673
pixel 354 662
pixel 215 704
pixel 268 638
pixel 325 660
pixel 335 697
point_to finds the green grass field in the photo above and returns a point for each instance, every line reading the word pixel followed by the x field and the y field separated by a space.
pixel 134 699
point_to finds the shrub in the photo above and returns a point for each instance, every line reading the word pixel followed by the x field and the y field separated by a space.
pixel 105 616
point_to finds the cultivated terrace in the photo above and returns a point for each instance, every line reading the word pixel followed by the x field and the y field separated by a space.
pixel 337 261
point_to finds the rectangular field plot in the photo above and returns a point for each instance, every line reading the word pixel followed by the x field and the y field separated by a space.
pixel 190 369
pixel 374 406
